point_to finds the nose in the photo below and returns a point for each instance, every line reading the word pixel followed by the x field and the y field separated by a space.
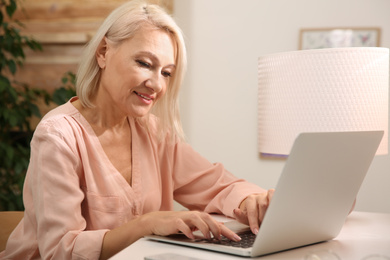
pixel 155 82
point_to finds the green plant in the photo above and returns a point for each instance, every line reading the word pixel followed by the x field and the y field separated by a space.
pixel 64 93
pixel 17 107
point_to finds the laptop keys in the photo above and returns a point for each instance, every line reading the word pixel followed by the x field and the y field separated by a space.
pixel 247 240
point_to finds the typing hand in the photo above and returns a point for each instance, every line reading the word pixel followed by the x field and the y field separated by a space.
pixel 252 209
pixel 165 223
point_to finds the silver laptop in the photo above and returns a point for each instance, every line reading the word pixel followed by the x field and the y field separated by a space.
pixel 313 197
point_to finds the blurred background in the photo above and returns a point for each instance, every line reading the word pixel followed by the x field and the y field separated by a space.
pixel 219 95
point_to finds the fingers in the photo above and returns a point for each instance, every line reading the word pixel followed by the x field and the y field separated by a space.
pixel 167 223
pixel 255 212
pixel 184 228
pixel 241 216
pixel 205 223
pixel 264 203
pixel 270 194
pixel 229 234
pixel 252 210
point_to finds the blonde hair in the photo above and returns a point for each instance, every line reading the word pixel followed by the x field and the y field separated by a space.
pixel 119 26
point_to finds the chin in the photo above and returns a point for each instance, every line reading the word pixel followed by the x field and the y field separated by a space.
pixel 137 114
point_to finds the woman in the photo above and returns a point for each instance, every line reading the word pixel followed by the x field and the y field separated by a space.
pixel 106 166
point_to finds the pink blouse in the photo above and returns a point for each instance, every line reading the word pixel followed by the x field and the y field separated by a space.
pixel 73 194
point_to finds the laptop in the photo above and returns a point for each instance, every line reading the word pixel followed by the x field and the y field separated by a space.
pixel 313 197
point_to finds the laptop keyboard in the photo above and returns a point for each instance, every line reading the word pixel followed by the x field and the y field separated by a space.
pixel 247 240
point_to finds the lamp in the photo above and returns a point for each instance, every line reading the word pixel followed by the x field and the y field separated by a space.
pixel 321 90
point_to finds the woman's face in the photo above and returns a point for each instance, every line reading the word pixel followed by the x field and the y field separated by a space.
pixel 136 73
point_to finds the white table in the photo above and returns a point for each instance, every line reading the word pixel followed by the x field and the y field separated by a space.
pixel 363 234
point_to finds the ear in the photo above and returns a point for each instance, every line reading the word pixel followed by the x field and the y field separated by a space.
pixel 101 53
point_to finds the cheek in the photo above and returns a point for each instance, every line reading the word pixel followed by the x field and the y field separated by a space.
pixel 129 78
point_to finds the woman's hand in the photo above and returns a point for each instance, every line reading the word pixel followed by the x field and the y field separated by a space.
pixel 252 209
pixel 165 223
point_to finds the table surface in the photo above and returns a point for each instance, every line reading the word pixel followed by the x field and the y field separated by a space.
pixel 363 234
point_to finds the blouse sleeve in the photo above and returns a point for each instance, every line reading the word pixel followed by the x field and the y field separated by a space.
pixel 54 197
pixel 201 185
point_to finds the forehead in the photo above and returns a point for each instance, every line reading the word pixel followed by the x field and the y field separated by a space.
pixel 156 41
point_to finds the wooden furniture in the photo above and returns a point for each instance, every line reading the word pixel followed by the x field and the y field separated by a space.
pixel 8 221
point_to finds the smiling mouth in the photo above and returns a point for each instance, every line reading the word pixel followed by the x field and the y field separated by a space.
pixel 144 97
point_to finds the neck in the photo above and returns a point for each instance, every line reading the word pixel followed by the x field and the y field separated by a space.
pixel 102 117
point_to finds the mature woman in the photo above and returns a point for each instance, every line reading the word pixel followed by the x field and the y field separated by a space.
pixel 106 166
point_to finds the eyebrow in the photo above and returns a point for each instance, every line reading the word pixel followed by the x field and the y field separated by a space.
pixel 148 53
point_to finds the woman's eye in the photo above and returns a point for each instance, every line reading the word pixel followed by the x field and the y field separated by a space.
pixel 143 63
pixel 166 74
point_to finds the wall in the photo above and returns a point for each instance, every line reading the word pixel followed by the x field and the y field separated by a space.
pixel 219 97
